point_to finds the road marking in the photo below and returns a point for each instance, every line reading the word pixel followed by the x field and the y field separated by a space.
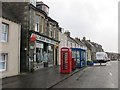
pixel 113 85
pixel 110 73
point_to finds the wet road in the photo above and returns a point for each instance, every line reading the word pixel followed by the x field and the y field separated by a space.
pixel 105 76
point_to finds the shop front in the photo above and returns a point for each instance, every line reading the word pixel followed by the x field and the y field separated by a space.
pixel 43 51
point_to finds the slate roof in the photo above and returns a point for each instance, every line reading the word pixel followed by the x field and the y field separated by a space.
pixel 7 14
pixel 80 42
pixel 88 44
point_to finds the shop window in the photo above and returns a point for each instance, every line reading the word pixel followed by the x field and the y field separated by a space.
pixel 3 61
pixel 4 33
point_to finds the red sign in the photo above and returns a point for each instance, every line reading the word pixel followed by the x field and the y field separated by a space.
pixel 33 38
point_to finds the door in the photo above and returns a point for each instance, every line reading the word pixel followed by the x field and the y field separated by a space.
pixel 56 61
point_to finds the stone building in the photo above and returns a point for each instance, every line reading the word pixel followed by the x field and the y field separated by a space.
pixel 93 47
pixel 98 47
pixel 39 35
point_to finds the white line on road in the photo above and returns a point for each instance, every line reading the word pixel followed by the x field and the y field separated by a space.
pixel 108 64
pixel 110 73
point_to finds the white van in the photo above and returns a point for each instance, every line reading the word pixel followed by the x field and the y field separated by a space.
pixel 101 57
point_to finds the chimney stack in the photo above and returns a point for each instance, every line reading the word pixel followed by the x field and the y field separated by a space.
pixel 67 33
pixel 77 38
pixel 84 38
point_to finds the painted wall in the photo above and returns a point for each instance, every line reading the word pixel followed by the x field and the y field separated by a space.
pixel 88 54
pixel 63 43
pixel 12 47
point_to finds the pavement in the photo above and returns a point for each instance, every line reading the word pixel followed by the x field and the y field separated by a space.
pixel 44 78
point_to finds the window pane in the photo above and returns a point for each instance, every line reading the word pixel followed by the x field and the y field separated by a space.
pixel 2 65
pixel 36 27
pixel 5 36
pixel 3 59
pixel 5 28
pixel 37 19
pixel 0 57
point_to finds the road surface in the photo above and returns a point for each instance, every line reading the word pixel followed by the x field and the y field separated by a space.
pixel 105 76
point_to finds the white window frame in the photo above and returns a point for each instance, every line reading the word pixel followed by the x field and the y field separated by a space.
pixel 37 27
pixel 51 33
pixel 4 38
pixel 4 61
pixel 37 24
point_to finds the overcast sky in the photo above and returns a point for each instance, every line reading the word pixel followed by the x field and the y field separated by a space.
pixel 97 20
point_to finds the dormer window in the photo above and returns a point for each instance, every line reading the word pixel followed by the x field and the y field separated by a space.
pixel 43 7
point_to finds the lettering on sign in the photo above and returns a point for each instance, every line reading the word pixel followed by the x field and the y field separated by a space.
pixel 41 38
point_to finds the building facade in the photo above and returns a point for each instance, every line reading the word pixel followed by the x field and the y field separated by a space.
pixel 71 43
pixel 63 43
pixel 22 11
pixel 9 44
pixel 91 49
pixel 39 35
pixel 84 47
pixel 88 51
pixel 81 44
pixel 45 48
pixel 63 39
pixel 98 47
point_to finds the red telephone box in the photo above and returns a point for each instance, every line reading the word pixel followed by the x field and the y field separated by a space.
pixel 66 60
